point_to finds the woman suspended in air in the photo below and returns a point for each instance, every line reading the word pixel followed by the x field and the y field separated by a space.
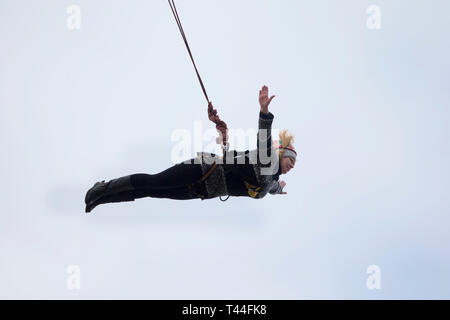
pixel 251 173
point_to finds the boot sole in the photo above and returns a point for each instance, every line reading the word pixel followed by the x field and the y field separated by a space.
pixel 90 191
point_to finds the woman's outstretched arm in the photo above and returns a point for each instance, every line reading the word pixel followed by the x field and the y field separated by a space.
pixel 264 139
pixel 264 99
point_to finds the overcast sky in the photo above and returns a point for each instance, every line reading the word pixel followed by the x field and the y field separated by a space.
pixel 369 109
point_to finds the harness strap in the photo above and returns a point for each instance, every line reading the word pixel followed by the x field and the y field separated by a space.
pixel 203 178
pixel 252 190
pixel 206 175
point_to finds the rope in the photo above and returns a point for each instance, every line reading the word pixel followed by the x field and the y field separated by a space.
pixel 221 126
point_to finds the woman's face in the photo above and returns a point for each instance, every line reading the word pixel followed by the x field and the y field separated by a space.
pixel 287 164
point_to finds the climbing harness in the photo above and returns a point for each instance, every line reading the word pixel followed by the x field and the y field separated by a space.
pixel 191 186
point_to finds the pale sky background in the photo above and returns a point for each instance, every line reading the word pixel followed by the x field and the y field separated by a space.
pixel 370 114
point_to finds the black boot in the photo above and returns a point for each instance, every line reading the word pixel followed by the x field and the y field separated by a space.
pixel 115 190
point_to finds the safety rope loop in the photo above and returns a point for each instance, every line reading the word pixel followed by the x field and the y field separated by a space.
pixel 221 126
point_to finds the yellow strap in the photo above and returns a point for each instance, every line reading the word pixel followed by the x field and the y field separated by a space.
pixel 252 190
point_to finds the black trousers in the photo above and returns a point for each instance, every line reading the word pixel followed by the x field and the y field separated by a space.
pixel 171 183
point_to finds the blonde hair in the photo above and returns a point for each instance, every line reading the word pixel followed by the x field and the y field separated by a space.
pixel 286 140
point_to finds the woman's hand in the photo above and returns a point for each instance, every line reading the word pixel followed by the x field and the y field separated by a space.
pixel 282 184
pixel 264 100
